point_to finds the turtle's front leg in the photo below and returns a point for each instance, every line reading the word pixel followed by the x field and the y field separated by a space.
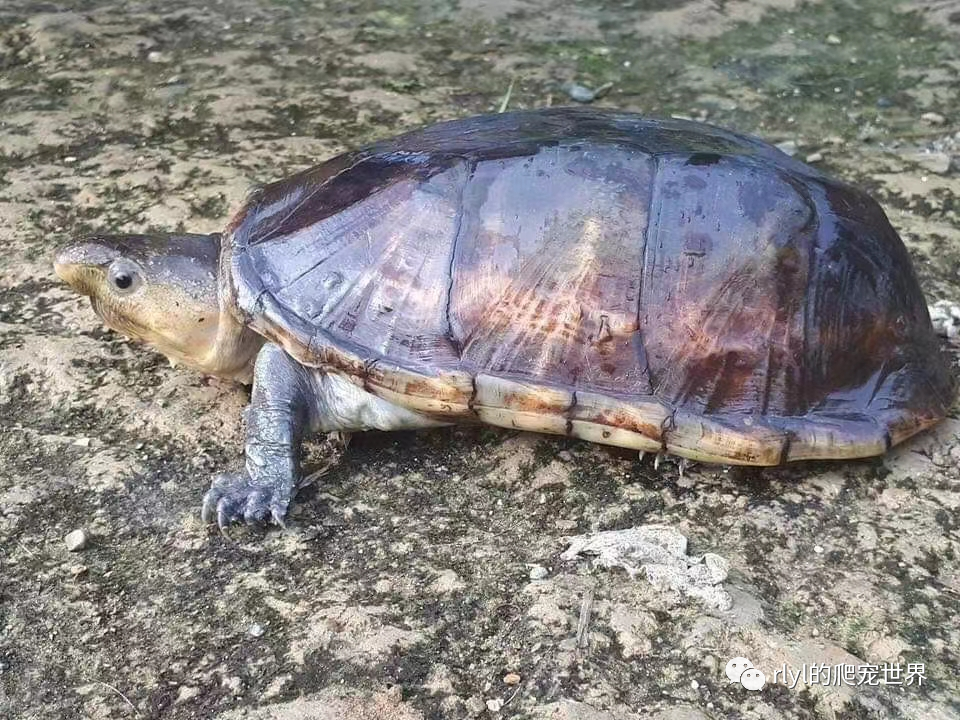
pixel 277 418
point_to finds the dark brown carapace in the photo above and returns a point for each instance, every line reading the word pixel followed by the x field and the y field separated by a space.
pixel 659 285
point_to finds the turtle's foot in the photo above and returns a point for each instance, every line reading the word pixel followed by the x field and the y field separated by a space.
pixel 236 497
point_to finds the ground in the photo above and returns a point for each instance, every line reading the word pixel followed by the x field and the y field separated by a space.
pixel 423 578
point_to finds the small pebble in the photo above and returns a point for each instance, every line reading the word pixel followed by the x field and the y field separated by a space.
pixel 78 570
pixel 511 679
pixel 82 442
pixel 494 705
pixel 833 40
pixel 583 94
pixel 580 93
pixel 538 572
pixel 788 146
pixel 933 118
pixel 256 630
pixel 814 157
pixel 77 540
pixel 818 548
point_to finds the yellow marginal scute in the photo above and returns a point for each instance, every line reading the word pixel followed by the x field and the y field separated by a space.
pixel 703 439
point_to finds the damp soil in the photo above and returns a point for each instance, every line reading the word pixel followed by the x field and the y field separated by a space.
pixel 404 588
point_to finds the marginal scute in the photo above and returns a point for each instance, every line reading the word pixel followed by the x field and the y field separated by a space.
pixel 594 414
pixel 825 437
pixel 901 426
pixel 612 435
pixel 519 420
pixel 498 392
pixel 445 394
pixel 707 439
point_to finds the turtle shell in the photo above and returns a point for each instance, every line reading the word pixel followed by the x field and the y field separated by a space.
pixel 654 284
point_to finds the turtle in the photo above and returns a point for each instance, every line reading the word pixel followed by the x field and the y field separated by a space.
pixel 661 285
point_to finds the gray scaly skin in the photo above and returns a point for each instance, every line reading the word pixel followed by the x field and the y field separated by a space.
pixel 278 416
pixel 165 291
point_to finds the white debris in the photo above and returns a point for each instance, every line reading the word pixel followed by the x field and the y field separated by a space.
pixel 945 316
pixel 661 552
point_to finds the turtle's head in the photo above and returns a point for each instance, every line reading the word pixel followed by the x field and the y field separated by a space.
pixel 163 290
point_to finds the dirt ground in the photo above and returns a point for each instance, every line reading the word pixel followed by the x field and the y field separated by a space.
pixel 424 579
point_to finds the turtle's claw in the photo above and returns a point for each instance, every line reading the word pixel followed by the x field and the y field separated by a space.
pixel 279 518
pixel 235 497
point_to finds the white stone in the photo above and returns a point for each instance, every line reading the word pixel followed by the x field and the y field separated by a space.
pixel 77 540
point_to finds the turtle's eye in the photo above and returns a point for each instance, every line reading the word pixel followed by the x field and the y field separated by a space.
pixel 124 277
